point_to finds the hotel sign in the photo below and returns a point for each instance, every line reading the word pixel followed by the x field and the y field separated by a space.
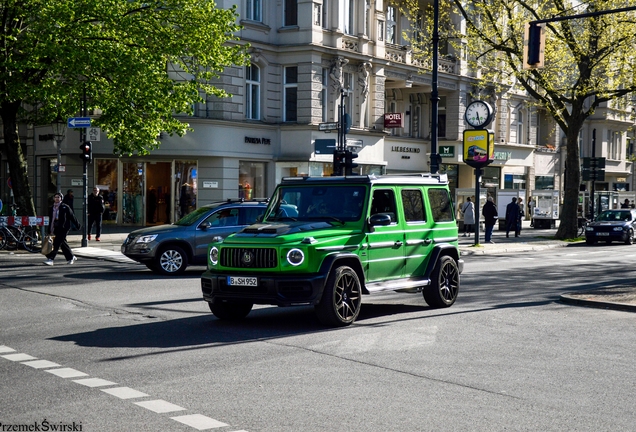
pixel 393 120
pixel 447 151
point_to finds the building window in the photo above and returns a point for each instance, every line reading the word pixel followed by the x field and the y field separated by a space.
pixel 324 93
pixel 347 14
pixel 519 125
pixel 291 94
pixel 317 14
pixel 380 30
pixel 514 181
pixel 613 144
pixel 325 8
pixel 291 13
pixel 254 10
pixel 252 92
pixel 544 182
pixel 367 19
pixel 391 25
pixel 441 117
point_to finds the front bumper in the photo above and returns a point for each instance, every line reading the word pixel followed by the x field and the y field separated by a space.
pixel 271 289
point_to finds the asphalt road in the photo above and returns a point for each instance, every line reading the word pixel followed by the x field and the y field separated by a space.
pixel 509 355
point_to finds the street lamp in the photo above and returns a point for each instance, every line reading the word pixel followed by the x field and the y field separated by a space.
pixel 59 129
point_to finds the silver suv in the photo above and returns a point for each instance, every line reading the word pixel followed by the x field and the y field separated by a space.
pixel 169 249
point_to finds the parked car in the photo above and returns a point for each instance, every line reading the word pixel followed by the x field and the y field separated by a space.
pixel 612 225
pixel 169 249
pixel 350 236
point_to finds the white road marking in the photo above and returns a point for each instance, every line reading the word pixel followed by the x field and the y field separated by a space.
pixel 6 349
pixel 159 406
pixel 41 364
pixel 66 373
pixel 199 421
pixel 124 392
pixel 19 357
pixel 94 382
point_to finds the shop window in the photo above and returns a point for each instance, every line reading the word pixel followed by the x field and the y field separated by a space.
pixel 544 182
pixel 186 187
pixel 251 180
pixel 106 172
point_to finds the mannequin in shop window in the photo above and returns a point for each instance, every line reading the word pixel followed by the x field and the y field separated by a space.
pixel 247 190
pixel 184 199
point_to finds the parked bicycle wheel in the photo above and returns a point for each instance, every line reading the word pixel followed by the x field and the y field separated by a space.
pixel 12 237
pixel 32 240
pixel 3 238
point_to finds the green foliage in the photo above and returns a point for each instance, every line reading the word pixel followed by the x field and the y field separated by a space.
pixel 139 62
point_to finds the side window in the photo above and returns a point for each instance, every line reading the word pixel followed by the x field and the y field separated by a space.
pixel 249 215
pixel 440 202
pixel 223 218
pixel 413 203
pixel 384 202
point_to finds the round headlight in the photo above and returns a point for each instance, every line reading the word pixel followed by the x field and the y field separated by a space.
pixel 295 257
pixel 214 255
pixel 620 228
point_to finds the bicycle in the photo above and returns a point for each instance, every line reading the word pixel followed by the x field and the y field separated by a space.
pixel 28 237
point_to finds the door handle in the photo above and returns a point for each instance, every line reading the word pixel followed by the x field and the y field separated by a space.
pixel 398 243
pixel 428 241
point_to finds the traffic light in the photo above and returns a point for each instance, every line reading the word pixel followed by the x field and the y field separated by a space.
pixel 87 151
pixel 349 165
pixel 338 162
pixel 535 42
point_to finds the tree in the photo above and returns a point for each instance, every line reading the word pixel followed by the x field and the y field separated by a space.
pixel 139 62
pixel 589 62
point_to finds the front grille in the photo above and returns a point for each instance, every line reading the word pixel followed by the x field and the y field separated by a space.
pixel 254 258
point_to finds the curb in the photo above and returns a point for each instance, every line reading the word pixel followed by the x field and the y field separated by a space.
pixel 576 301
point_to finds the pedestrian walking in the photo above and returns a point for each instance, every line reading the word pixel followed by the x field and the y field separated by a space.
pixel 61 219
pixel 625 204
pixel 68 199
pixel 468 210
pixel 512 216
pixel 490 218
pixel 522 215
pixel 95 209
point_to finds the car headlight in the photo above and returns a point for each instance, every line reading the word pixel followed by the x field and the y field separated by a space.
pixel 589 228
pixel 146 238
pixel 620 228
pixel 214 255
pixel 295 257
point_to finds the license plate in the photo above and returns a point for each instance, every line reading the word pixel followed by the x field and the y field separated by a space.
pixel 242 281
pixel 602 234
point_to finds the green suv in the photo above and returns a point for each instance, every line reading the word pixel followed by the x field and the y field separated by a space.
pixel 346 237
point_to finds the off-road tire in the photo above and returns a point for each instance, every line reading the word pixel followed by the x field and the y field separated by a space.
pixel 342 298
pixel 444 287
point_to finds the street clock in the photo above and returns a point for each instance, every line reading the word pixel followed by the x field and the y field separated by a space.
pixel 478 114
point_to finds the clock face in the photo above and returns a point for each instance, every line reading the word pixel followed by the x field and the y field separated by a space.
pixel 478 114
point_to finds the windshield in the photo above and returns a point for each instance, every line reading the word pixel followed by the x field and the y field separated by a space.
pixel 191 218
pixel 614 216
pixel 317 202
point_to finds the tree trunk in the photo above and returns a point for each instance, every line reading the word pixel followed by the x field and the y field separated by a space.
pixel 568 228
pixel 16 159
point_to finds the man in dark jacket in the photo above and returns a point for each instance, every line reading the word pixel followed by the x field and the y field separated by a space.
pixel 512 216
pixel 68 199
pixel 61 219
pixel 95 210
pixel 490 218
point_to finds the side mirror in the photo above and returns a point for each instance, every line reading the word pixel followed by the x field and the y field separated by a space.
pixel 205 225
pixel 380 219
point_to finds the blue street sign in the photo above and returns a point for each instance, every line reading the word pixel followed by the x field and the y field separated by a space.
pixel 79 122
